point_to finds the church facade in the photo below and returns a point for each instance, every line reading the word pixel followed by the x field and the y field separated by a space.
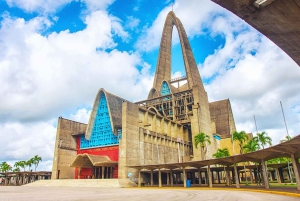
pixel 158 130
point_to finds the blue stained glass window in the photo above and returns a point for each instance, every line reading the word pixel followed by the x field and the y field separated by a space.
pixel 165 90
pixel 102 134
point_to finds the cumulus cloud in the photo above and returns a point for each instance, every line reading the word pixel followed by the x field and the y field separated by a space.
pixel 82 115
pixel 256 75
pixel 43 77
pixel 22 141
pixel 50 6
pixel 37 5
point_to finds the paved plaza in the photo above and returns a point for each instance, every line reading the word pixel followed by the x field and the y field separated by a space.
pixel 22 193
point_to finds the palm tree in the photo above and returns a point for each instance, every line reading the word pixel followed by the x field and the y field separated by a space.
pixel 17 169
pixel 22 164
pixel 221 153
pixel 5 167
pixel 36 159
pixel 29 163
pixel 287 138
pixel 263 139
pixel 17 165
pixel 241 137
pixel 202 139
pixel 251 146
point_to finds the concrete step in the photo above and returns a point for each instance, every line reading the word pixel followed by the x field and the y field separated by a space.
pixel 107 183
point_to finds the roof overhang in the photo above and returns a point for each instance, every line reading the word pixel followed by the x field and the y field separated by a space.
pixel 88 161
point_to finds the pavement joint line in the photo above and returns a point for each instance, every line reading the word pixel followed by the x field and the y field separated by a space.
pixel 224 189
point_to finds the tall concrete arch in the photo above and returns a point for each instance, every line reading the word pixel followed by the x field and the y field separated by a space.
pixel 163 66
pixel 197 114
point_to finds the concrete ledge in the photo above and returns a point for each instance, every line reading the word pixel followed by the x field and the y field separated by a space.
pixel 101 183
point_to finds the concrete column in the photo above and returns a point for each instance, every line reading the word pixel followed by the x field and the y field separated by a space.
pixel 296 170
pixel 139 181
pixel 159 178
pixel 111 172
pixel 107 172
pixel 265 176
pixel 233 176
pixel 212 179
pixel 151 178
pixel 194 177
pixel 251 176
pixel 228 183
pixel 209 176
pixel 102 172
pixel 279 177
pixel 256 176
pixel 272 175
pixel 199 176
pixel 79 170
pixel 218 174
pixel 168 179
pixel 172 177
pixel 237 182
pixel 184 177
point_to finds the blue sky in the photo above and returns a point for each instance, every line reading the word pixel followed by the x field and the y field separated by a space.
pixel 56 55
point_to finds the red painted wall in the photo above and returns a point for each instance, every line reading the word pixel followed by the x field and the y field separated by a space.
pixel 112 152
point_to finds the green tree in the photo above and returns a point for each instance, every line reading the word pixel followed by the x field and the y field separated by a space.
pixel 36 160
pixel 278 160
pixel 287 138
pixel 16 169
pixel 202 139
pixel 22 164
pixel 18 165
pixel 5 167
pixel 263 139
pixel 241 137
pixel 221 153
pixel 251 146
pixel 29 163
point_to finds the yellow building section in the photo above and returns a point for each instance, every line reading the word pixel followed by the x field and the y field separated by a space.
pixel 233 148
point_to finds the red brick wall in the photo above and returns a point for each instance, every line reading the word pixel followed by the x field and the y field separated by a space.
pixel 112 152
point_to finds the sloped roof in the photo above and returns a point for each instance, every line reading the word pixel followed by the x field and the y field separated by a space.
pixel 114 104
pixel 88 160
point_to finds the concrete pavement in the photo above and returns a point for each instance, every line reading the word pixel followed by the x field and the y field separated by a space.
pixel 23 193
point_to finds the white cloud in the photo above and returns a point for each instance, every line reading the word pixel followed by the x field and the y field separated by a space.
pixel 82 116
pixel 44 77
pixel 50 6
pixel 132 22
pixel 38 5
pixel 94 5
pixel 192 14
pixel 41 76
pixel 22 141
pixel 256 84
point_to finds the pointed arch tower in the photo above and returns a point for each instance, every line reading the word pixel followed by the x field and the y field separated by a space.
pixel 187 104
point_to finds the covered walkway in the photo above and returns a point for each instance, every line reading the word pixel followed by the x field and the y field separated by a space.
pixel 22 178
pixel 102 166
pixel 204 169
